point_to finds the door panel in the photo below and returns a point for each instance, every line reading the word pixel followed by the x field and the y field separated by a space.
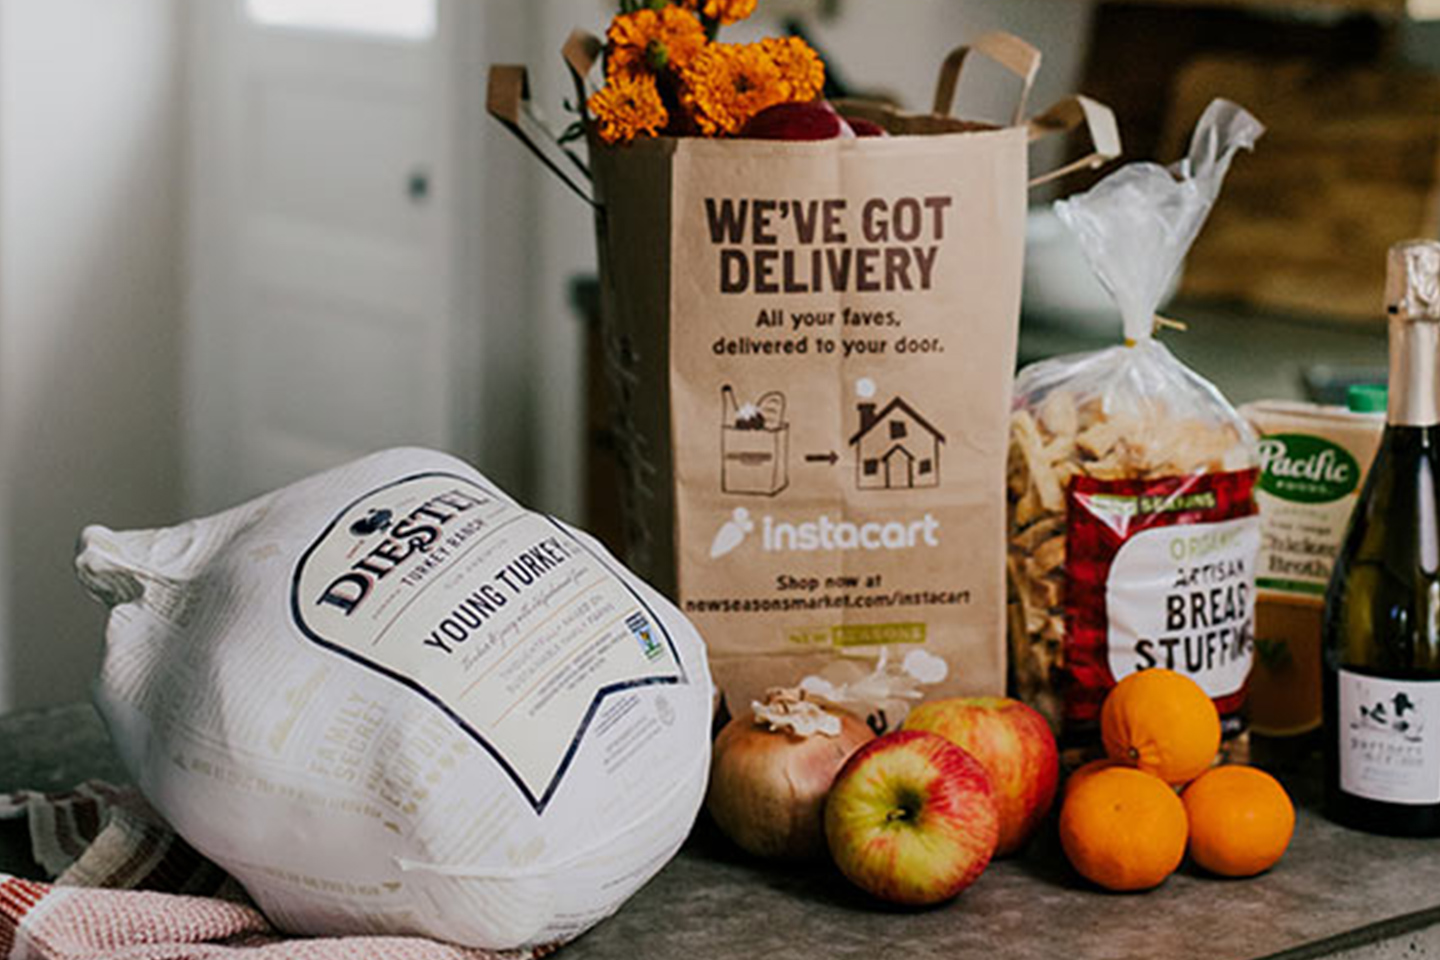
pixel 328 344
pixel 322 244
pixel 339 157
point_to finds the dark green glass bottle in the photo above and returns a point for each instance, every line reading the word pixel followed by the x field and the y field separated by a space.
pixel 1382 609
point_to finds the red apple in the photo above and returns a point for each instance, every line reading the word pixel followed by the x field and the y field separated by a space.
pixel 1017 749
pixel 816 120
pixel 911 818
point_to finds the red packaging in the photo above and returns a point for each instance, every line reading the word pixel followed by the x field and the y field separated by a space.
pixel 1161 573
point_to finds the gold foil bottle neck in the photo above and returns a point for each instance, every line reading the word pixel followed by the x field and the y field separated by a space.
pixel 1412 280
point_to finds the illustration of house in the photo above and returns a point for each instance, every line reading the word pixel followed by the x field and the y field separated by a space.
pixel 895 448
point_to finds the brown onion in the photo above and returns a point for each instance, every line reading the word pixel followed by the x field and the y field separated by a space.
pixel 772 770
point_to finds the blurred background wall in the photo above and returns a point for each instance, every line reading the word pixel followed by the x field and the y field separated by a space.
pixel 92 190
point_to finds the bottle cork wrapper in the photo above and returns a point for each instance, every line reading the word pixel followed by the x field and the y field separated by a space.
pixel 1412 296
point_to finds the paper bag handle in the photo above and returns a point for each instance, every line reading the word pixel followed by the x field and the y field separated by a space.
pixel 1070 114
pixel 1005 49
pixel 507 98
pixel 580 52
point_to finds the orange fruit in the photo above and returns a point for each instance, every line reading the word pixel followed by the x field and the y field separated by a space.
pixel 1087 770
pixel 1241 820
pixel 1123 829
pixel 1163 723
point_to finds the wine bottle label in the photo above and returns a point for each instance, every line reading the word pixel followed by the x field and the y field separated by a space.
pixel 1161 573
pixel 1389 734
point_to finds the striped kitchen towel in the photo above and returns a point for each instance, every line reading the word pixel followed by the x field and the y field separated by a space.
pixel 127 888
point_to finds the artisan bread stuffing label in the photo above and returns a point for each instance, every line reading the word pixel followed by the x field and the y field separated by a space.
pixel 499 616
pixel 1162 574
pixel 1182 598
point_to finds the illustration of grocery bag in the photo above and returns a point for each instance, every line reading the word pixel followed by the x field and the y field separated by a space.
pixel 754 445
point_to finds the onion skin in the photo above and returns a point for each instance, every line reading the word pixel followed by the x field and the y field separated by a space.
pixel 768 787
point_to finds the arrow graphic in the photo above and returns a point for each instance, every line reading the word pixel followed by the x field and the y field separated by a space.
pixel 829 458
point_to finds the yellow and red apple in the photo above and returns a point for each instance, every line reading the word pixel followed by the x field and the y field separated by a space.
pixel 1017 749
pixel 912 818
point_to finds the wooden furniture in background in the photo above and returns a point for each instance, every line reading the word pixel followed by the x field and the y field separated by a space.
pixel 1138 50
pixel 1350 163
pixel 1414 9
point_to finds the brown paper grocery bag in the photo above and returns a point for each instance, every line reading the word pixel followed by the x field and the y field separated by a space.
pixel 811 347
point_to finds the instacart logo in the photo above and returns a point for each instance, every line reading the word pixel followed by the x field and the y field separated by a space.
pixel 824 534
pixel 1306 469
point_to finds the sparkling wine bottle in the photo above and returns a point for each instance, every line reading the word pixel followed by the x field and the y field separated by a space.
pixel 1382 609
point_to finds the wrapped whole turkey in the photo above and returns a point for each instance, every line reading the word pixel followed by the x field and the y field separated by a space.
pixel 389 699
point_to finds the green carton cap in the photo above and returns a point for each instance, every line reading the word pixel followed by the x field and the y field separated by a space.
pixel 1367 397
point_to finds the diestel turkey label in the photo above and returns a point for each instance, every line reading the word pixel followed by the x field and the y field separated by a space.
pixel 499 616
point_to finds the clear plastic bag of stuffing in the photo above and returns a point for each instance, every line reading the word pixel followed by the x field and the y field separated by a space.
pixel 1132 520
pixel 389 699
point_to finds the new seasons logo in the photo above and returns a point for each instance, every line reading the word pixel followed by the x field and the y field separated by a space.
pixel 1306 469
pixel 824 534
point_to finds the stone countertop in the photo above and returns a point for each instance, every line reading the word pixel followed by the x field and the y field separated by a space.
pixel 1337 893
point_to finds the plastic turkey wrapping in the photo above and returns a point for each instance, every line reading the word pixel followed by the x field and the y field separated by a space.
pixel 389 699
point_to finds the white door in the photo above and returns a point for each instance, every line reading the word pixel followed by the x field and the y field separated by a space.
pixel 322 303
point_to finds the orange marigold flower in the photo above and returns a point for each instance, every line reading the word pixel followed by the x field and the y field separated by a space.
pixel 800 66
pixel 653 40
pixel 725 11
pixel 728 83
pixel 627 106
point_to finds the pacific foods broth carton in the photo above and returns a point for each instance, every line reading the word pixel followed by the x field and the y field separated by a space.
pixel 1313 461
